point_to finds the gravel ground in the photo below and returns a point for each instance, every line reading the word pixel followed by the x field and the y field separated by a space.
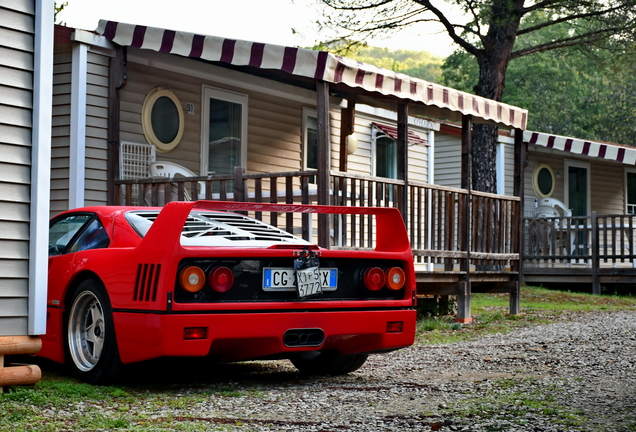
pixel 578 374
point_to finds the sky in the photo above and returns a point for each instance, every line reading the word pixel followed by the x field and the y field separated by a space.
pixel 268 21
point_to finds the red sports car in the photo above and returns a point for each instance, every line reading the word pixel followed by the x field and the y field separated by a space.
pixel 128 284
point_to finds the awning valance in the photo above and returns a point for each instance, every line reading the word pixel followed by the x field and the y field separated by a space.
pixel 318 65
pixel 626 155
pixel 392 132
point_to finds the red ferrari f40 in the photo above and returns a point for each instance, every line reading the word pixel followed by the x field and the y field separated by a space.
pixel 128 284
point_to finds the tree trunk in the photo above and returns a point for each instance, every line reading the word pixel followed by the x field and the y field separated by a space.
pixel 493 61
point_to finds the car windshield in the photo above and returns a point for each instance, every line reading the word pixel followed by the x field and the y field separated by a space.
pixel 215 228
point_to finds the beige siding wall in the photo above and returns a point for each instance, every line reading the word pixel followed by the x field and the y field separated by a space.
pixel 16 103
pixel 95 172
pixel 274 122
pixel 509 169
pixel 607 194
pixel 96 187
pixel 606 178
pixel 608 188
pixel 60 134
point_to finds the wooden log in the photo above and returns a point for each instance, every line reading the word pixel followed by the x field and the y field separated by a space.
pixel 19 345
pixel 20 375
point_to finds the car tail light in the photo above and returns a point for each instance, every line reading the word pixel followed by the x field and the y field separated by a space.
pixel 374 278
pixel 191 333
pixel 192 279
pixel 395 278
pixel 221 279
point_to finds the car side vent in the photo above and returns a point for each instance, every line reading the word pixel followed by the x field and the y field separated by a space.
pixel 147 282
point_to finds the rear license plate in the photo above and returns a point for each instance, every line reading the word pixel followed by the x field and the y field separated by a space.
pixel 284 279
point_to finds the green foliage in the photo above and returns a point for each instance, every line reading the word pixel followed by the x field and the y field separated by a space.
pixel 59 7
pixel 418 64
pixel 584 91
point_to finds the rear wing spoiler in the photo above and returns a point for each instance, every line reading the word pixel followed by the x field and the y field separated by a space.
pixel 390 231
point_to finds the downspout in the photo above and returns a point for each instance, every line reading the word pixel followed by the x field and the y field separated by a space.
pixel 40 165
pixel 429 210
pixel 77 162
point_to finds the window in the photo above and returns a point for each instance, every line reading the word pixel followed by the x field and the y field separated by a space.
pixel 310 141
pixel 630 191
pixel 162 119
pixel 224 137
pixel 543 180
pixel 384 155
pixel 76 232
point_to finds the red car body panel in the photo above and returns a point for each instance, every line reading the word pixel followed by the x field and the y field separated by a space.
pixel 140 276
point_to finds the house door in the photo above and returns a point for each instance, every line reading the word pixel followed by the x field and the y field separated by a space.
pixel 224 131
pixel 577 195
pixel 577 187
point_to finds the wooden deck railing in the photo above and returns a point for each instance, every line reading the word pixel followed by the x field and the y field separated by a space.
pixel 594 241
pixel 450 229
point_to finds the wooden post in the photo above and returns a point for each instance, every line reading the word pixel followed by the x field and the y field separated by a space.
pixel 116 81
pixel 240 191
pixel 463 299
pixel 324 159
pixel 519 164
pixel 596 284
pixel 403 154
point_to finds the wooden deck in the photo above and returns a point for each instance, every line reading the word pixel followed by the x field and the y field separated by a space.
pixel 595 250
pixel 463 241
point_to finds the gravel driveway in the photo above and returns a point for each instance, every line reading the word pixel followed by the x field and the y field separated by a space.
pixel 578 374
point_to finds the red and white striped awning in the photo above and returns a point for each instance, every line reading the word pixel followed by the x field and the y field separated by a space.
pixel 319 65
pixel 392 132
pixel 626 155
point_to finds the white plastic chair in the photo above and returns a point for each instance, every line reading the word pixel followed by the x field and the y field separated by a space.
pixel 548 207
pixel 173 170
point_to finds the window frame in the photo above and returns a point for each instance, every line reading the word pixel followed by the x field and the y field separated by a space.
pixel 567 163
pixel 307 113
pixel 535 180
pixel 207 93
pixel 375 134
pixel 146 119
pixel 627 171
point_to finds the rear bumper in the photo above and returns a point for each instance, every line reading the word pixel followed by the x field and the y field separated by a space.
pixel 243 336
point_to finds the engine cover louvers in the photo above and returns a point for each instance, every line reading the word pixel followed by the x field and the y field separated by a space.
pixel 147 282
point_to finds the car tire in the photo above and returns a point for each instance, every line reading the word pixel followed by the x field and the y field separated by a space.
pixel 91 345
pixel 329 363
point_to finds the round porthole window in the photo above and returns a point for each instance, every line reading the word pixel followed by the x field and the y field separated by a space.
pixel 162 119
pixel 543 180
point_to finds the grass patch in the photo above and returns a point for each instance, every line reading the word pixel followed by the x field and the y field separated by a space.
pixel 538 306
pixel 517 401
pixel 58 403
